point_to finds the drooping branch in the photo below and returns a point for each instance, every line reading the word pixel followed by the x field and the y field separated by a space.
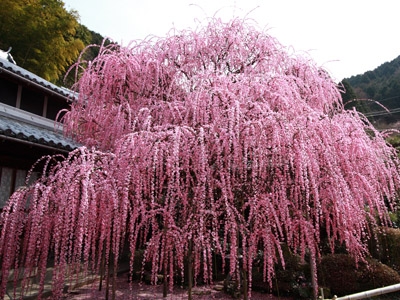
pixel 215 141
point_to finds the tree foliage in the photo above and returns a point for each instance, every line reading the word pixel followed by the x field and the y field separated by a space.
pixel 349 93
pixel 350 99
pixel 44 36
pixel 93 41
pixel 213 141
pixel 381 85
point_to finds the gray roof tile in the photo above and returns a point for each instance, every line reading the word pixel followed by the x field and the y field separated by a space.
pixel 11 127
pixel 21 72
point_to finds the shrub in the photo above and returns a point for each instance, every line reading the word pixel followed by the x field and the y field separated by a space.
pixel 341 274
pixel 291 280
pixel 387 247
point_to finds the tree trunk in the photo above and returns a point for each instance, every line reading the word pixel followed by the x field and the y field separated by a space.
pixel 190 270
pixel 165 266
pixel 165 286
pixel 102 266
pixel 114 278
pixel 245 285
pixel 314 282
pixel 108 281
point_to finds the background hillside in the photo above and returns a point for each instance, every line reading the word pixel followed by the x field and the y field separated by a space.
pixel 381 85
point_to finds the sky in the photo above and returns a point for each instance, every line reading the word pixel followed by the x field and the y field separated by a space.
pixel 345 37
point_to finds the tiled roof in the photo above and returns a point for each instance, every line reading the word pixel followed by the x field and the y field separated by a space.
pixel 18 129
pixel 26 127
pixel 21 73
pixel 7 56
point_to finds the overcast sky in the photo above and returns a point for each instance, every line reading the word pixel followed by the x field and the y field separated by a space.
pixel 346 37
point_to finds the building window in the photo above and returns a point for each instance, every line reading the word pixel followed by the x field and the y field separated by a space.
pixel 54 106
pixel 32 101
pixel 8 92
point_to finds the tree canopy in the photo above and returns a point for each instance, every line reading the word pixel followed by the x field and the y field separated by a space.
pixel 212 141
pixel 44 36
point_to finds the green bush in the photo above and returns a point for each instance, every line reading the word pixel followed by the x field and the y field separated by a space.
pixel 342 276
pixel 387 247
pixel 293 280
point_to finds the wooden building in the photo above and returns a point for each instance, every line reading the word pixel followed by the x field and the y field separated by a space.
pixel 28 130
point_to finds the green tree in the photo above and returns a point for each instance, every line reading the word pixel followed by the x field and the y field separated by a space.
pixel 43 34
pixel 88 37
pixel 348 94
pixel 351 100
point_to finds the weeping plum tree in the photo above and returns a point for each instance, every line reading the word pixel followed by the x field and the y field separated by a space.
pixel 212 141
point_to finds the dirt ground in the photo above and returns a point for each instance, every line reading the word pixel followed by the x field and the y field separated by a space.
pixel 139 291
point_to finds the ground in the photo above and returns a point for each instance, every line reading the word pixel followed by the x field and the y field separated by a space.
pixel 141 291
